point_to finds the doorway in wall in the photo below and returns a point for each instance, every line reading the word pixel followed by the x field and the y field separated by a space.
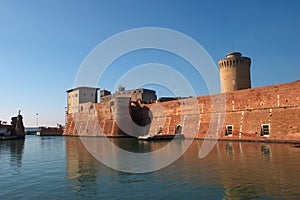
pixel 178 129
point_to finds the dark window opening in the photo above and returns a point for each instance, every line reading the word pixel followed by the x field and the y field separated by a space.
pixel 160 130
pixel 229 129
pixel 178 129
pixel 265 130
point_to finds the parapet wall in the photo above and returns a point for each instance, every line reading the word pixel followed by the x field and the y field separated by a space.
pixel 276 106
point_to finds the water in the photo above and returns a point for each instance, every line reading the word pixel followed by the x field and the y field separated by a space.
pixel 61 168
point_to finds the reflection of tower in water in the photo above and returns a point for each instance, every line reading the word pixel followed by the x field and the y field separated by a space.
pixel 81 166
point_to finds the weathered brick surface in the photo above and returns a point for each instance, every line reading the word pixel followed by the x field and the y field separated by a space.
pixel 246 110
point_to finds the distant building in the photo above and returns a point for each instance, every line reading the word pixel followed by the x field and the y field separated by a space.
pixel 104 93
pixel 80 95
pixel 145 95
pixel 164 99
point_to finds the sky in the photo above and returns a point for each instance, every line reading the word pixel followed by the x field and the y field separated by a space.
pixel 43 43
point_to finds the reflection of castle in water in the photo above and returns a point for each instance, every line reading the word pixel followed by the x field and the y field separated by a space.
pixel 245 170
pixel 247 164
pixel 81 166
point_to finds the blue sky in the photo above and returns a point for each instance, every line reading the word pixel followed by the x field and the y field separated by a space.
pixel 43 43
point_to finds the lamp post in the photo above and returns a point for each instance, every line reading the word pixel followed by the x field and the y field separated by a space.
pixel 37 119
pixel 66 112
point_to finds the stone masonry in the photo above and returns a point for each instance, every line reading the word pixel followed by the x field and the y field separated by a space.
pixel 270 113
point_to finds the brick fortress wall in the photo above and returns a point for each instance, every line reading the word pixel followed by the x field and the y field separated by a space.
pixel 246 110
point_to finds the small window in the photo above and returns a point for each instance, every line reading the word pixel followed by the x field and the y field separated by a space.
pixel 160 130
pixel 229 129
pixel 92 94
pixel 76 95
pixel 84 94
pixel 265 130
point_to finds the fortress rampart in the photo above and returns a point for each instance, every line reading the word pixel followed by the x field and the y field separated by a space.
pixel 270 113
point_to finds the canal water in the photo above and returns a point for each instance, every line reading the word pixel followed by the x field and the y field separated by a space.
pixel 61 168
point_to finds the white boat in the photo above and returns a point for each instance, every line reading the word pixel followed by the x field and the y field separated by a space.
pixel 161 137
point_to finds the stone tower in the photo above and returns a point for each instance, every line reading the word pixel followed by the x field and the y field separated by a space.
pixel 234 72
pixel 81 95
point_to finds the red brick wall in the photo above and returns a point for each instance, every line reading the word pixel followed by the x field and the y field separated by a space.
pixel 245 110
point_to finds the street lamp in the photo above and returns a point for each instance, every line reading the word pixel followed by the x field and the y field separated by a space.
pixel 66 112
pixel 37 119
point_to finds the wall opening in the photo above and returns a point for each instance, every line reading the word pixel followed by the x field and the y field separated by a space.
pixel 228 131
pixel 178 129
pixel 265 130
pixel 160 130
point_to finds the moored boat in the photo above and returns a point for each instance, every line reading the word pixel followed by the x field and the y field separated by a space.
pixel 50 131
pixel 161 137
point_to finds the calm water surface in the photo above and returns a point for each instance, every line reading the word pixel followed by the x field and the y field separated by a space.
pixel 61 168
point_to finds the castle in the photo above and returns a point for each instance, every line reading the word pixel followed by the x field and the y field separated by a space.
pixel 270 113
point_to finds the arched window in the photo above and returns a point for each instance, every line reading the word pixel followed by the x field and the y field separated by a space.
pixel 178 129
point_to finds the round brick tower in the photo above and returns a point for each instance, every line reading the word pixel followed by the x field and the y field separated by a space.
pixel 234 72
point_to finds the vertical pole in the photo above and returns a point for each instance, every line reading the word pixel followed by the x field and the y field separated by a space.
pixel 37 119
pixel 66 113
